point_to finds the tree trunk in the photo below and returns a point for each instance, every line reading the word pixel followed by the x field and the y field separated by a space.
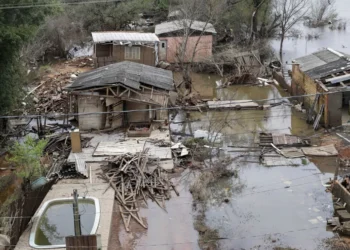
pixel 281 52
pixel 254 27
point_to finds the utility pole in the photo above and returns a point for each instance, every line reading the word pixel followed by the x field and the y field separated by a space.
pixel 77 227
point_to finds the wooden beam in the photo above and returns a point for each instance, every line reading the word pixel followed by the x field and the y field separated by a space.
pixel 112 91
pixel 341 83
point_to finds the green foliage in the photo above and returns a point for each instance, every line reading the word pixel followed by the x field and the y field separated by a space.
pixel 17 26
pixel 111 15
pixel 26 157
pixel 238 19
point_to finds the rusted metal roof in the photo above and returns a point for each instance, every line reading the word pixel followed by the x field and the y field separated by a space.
pixel 130 74
pixel 123 37
pixel 178 25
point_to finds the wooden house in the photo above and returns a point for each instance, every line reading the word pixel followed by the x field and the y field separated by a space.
pixel 120 94
pixel 199 38
pixel 114 46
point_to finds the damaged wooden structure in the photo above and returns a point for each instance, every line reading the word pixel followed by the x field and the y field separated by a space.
pixel 103 96
pixel 116 46
pixel 325 77
pixel 133 177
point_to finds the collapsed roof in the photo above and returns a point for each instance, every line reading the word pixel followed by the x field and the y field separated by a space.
pixel 178 25
pixel 130 74
pixel 323 63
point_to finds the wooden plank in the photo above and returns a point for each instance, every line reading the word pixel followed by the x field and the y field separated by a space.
pixel 133 147
pixel 86 242
pixel 80 165
pixel 232 104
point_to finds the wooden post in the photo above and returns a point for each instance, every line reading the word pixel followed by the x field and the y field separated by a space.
pixel 77 227
pixel 336 170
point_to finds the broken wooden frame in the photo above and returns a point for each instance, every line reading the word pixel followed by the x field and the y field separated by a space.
pixel 134 177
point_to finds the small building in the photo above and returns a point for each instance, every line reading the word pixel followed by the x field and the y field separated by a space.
pixel 102 96
pixel 114 46
pixel 325 77
pixel 172 36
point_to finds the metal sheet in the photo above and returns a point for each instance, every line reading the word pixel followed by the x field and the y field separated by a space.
pixel 115 36
pixel 128 73
pixel 177 25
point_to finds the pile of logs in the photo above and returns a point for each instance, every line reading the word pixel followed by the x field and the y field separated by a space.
pixel 134 177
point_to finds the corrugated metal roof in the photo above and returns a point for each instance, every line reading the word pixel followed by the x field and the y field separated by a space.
pixel 128 73
pixel 177 25
pixel 116 36
pixel 323 63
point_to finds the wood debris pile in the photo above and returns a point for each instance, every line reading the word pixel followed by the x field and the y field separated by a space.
pixel 243 79
pixel 81 62
pixel 58 148
pixel 134 177
pixel 49 95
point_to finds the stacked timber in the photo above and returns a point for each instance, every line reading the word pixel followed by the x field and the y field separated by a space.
pixel 134 177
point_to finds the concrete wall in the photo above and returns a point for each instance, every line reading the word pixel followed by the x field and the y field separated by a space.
pixel 89 104
pixel 302 84
pixel 203 49
pixel 282 82
pixel 141 116
pixel 107 54
pixel 340 192
pixel 334 111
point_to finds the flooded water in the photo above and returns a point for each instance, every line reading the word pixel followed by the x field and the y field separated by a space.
pixel 335 39
pixel 58 222
pixel 273 206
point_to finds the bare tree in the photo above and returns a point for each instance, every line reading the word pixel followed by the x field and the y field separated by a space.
pixel 254 22
pixel 322 11
pixel 290 12
pixel 190 39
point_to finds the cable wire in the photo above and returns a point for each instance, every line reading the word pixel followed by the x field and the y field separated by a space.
pixel 164 108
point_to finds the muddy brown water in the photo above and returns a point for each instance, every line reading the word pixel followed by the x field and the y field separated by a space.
pixel 274 206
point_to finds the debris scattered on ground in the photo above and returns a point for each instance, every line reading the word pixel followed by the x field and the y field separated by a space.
pixel 299 107
pixel 58 147
pixel 244 79
pixel 193 98
pixel 81 62
pixel 135 176
pixel 49 95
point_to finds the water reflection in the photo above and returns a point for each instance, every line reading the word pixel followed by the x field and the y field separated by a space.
pixel 335 39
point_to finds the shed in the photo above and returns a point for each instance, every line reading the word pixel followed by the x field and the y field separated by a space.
pixel 172 35
pixel 114 46
pixel 325 77
pixel 102 96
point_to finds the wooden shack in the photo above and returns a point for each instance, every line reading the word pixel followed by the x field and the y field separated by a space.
pixel 120 94
pixel 114 46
